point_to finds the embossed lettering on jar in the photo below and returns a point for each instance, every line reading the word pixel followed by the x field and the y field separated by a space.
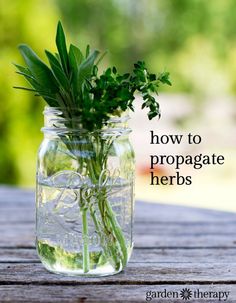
pixel 85 196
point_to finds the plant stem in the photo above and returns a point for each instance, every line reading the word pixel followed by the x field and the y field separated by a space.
pixel 85 241
pixel 117 231
pixel 108 229
pixel 116 240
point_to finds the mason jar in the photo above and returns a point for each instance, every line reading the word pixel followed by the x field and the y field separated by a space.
pixel 84 196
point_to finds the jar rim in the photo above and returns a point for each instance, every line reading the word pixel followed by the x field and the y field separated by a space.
pixel 55 122
pixel 59 110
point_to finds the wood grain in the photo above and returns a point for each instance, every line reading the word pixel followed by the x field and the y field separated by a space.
pixel 175 247
pixel 104 293
pixel 144 255
pixel 135 273
pixel 145 235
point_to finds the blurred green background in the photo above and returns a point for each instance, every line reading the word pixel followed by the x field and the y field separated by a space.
pixel 193 39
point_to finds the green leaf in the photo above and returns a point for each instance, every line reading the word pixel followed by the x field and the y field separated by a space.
pixel 24 72
pixel 75 78
pixel 25 88
pixel 87 51
pixel 28 76
pixel 143 105
pixel 108 72
pixel 22 69
pixel 95 70
pixel 61 46
pixel 49 98
pixel 75 57
pixel 57 70
pixel 151 115
pixel 164 78
pixel 58 57
pixel 101 57
pixel 126 76
pixel 85 68
pixel 152 77
pixel 39 70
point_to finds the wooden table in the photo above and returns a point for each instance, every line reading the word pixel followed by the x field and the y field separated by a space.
pixel 175 247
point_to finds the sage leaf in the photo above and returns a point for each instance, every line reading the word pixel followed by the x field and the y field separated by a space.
pixel 38 69
pixel 61 46
pixel 85 68
pixel 75 58
pixel 57 70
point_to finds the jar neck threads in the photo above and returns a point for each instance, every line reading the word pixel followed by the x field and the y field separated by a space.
pixel 60 121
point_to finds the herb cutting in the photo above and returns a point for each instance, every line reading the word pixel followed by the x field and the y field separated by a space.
pixel 85 176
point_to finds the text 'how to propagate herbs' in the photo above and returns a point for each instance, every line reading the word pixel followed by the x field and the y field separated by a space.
pixel 177 161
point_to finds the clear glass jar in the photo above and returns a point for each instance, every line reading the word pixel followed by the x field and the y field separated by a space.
pixel 85 196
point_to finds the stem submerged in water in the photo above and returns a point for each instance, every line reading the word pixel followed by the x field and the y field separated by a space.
pixel 115 244
pixel 111 236
pixel 85 242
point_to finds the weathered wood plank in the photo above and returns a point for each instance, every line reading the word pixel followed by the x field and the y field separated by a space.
pixel 17 235
pixel 12 196
pixel 186 228
pixel 26 213
pixel 208 255
pixel 147 235
pixel 154 228
pixel 15 200
pixel 156 212
pixel 180 255
pixel 174 241
pixel 135 273
pixel 18 255
pixel 112 293
pixel 17 215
